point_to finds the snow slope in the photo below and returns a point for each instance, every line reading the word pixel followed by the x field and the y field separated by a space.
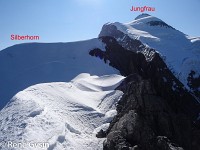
pixel 181 52
pixel 27 64
pixel 65 115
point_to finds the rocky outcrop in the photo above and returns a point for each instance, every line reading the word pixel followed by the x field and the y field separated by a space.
pixel 156 112
pixel 145 120
pixel 162 79
pixel 159 23
pixel 194 83
pixel 101 134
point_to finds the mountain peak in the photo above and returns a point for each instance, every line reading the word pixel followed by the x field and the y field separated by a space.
pixel 143 15
pixel 149 20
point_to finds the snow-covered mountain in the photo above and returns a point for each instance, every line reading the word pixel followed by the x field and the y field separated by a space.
pixel 24 65
pixel 180 51
pixel 63 94
pixel 66 115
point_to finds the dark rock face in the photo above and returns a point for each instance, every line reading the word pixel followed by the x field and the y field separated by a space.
pixel 159 23
pixel 101 134
pixel 155 112
pixel 147 120
pixel 164 82
pixel 194 83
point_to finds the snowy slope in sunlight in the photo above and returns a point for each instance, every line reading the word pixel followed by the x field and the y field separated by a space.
pixel 181 52
pixel 64 114
pixel 24 65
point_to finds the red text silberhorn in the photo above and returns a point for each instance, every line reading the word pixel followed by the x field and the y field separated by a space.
pixel 24 37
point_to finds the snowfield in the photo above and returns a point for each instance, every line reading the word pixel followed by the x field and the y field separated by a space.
pixel 25 65
pixel 66 115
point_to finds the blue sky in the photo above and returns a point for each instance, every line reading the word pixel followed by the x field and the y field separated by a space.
pixel 74 20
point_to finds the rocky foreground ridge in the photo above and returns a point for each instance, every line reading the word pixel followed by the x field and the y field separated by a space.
pixel 156 112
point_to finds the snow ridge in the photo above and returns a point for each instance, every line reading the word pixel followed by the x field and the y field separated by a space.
pixel 67 115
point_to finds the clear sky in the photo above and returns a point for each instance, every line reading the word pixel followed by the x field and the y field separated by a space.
pixel 74 20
